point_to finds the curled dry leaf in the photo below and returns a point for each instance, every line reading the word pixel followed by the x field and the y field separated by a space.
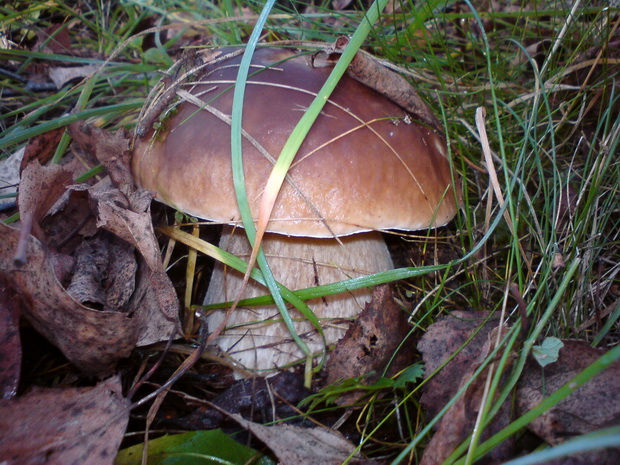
pixel 40 188
pixel 304 446
pixel 64 426
pixel 63 75
pixel 370 342
pixel 136 285
pixel 443 339
pixel 42 147
pixel 110 148
pixel 440 342
pixel 91 339
pixel 125 211
pixel 105 273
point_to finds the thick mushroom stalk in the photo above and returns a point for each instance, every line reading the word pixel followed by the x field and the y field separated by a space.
pixel 256 337
pixel 366 165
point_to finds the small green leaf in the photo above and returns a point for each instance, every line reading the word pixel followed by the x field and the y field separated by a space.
pixel 410 375
pixel 158 57
pixel 548 352
pixel 196 447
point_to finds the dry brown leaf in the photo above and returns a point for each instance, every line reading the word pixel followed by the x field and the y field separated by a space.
pixel 593 406
pixel 128 217
pixel 261 399
pixel 51 40
pixel 110 148
pixel 40 188
pixel 42 147
pixel 105 273
pixel 339 5
pixel 370 342
pixel 62 75
pixel 10 345
pixel 304 446
pixel 125 211
pixel 442 340
pixel 64 426
pixel 91 339
pixel 370 72
pixel 122 209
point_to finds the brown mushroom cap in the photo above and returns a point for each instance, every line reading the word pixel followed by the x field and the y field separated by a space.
pixel 365 164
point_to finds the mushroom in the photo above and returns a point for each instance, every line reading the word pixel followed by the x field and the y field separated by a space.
pixel 366 165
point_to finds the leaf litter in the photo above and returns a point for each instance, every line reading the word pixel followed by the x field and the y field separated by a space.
pixel 369 345
pixel 591 407
pixel 118 295
pixel 305 446
pixel 83 264
pixel 64 426
pixel 475 334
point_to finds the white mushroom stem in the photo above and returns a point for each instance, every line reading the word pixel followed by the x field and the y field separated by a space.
pixel 256 336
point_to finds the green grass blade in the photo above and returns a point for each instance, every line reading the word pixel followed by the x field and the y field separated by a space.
pixel 241 193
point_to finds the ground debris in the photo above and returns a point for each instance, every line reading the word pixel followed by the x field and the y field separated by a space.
pixel 439 343
pixel 118 300
pixel 591 407
pixel 64 425
pixel 305 446
pixel 370 344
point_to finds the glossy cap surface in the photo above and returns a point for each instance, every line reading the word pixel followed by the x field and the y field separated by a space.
pixel 365 164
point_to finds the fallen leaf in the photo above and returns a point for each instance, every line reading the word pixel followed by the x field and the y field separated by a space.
pixel 70 220
pixel 128 217
pixel 304 446
pixel 50 40
pixel 369 71
pixel 125 211
pixel 62 75
pixel 264 399
pixel 458 422
pixel 92 257
pixel 592 406
pixel 91 339
pixel 370 343
pixel 10 345
pixel 443 339
pixel 64 426
pixel 40 188
pixel 42 147
pixel 110 148
pixel 105 273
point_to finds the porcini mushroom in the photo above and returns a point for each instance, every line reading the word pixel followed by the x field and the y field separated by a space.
pixel 365 166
